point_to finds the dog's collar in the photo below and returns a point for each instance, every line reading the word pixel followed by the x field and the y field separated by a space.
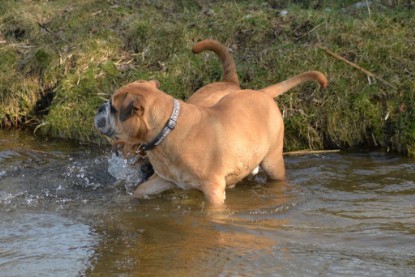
pixel 170 125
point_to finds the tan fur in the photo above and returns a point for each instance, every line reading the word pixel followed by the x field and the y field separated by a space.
pixel 207 95
pixel 223 133
pixel 280 88
pixel 210 94
pixel 211 148
pixel 214 92
pixel 228 64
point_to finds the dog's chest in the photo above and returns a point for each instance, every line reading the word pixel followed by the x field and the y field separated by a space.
pixel 175 174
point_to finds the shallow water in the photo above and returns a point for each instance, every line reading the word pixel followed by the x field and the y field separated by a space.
pixel 64 214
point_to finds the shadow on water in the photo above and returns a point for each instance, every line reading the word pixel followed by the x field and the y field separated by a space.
pixel 64 214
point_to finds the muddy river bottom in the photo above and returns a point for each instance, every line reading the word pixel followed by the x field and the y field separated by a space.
pixel 67 210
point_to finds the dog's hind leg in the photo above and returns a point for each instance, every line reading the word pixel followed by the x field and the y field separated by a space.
pixel 215 193
pixel 273 165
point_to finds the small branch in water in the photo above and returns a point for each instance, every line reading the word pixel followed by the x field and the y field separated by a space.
pixel 367 72
pixel 308 152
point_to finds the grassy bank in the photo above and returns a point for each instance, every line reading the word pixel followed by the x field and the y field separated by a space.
pixel 58 59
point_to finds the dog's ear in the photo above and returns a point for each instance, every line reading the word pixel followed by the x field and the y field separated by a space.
pixel 155 83
pixel 131 105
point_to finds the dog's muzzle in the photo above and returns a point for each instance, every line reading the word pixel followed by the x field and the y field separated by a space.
pixel 103 120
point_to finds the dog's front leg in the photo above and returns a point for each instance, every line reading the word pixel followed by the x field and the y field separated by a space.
pixel 154 185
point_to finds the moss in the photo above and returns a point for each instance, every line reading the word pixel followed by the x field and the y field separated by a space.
pixel 78 94
pixel 18 92
pixel 37 62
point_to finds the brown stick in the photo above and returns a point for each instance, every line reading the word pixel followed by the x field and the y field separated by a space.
pixel 17 45
pixel 367 72
pixel 308 152
pixel 51 32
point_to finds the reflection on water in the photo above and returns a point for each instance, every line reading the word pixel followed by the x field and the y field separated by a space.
pixel 64 214
pixel 42 244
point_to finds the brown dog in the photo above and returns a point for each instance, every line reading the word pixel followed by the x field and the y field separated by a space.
pixel 210 148
pixel 210 94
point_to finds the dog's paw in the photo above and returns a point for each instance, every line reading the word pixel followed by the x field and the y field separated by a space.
pixel 140 194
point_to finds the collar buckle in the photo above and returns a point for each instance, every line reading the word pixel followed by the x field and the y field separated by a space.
pixel 171 124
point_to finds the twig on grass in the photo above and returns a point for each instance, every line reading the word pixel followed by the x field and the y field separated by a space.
pixel 309 32
pixel 44 27
pixel 367 72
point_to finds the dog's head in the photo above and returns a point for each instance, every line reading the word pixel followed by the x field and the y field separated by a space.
pixel 123 116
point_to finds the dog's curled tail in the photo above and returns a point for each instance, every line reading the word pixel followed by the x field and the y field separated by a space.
pixel 280 88
pixel 228 64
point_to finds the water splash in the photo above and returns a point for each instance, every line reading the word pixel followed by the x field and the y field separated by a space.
pixel 123 169
pixel 131 171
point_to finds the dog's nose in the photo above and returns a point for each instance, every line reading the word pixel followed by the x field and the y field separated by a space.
pixel 101 123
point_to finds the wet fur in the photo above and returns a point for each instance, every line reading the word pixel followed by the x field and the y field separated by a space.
pixel 223 133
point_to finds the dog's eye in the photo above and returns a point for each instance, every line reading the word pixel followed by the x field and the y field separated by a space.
pixel 112 109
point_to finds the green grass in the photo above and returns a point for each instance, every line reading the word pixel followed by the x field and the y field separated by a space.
pixel 81 51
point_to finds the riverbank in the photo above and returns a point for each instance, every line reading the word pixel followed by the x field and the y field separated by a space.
pixel 60 59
